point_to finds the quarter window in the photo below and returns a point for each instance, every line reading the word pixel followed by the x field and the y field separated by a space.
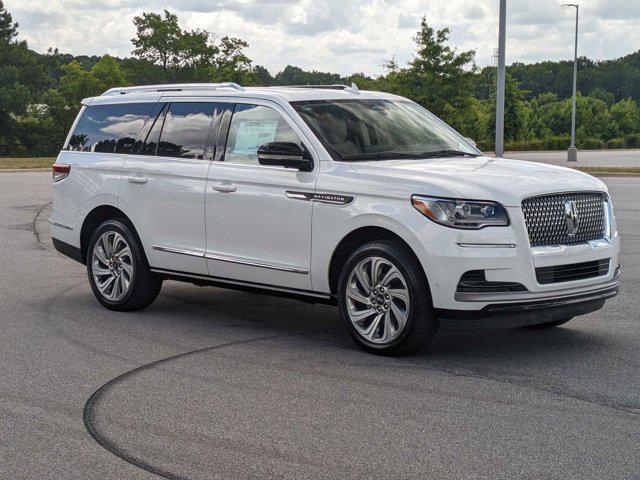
pixel 186 130
pixel 252 126
pixel 109 128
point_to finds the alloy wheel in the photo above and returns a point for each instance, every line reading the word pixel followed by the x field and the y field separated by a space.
pixel 377 300
pixel 112 266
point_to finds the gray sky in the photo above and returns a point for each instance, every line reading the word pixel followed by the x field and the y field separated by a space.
pixel 342 36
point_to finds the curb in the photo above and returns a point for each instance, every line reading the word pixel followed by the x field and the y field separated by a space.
pixel 17 170
pixel 611 174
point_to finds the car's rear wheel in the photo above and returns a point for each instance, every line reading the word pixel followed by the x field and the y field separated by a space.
pixel 384 299
pixel 118 270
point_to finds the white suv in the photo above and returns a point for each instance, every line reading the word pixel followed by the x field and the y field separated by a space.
pixel 327 194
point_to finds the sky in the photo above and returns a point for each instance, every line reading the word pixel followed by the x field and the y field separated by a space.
pixel 341 36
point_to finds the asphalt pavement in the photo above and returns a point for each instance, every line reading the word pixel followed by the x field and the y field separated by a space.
pixel 211 383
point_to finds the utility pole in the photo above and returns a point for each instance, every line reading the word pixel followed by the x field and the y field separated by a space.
pixel 502 45
pixel 572 155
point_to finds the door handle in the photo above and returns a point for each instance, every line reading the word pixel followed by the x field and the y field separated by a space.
pixel 138 179
pixel 224 187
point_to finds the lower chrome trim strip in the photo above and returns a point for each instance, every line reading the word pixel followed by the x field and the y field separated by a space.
pixel 179 251
pixel 562 294
pixel 211 278
pixel 487 245
pixel 252 263
pixel 56 224
pixel 519 307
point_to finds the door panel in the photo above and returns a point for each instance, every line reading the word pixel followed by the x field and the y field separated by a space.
pixel 255 232
pixel 167 196
pixel 165 186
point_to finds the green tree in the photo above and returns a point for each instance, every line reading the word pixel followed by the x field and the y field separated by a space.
pixel 142 72
pixel 8 28
pixel 438 77
pixel 626 116
pixel 189 55
pixel 22 78
pixel 78 83
pixel 108 73
pixel 157 39
pixel 291 75
pixel 607 97
pixel 231 64
pixel 44 126
pixel 515 112
pixel 262 76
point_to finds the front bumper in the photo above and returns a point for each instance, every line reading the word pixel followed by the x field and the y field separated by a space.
pixel 505 255
pixel 523 313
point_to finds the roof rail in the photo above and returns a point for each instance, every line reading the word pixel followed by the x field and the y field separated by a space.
pixel 352 89
pixel 175 87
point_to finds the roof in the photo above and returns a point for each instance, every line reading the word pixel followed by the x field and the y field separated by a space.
pixel 288 93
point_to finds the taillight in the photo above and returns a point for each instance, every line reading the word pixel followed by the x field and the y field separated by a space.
pixel 60 171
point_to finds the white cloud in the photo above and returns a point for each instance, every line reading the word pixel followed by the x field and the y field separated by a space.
pixel 341 36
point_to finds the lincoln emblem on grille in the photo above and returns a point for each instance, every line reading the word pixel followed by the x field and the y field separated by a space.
pixel 571 216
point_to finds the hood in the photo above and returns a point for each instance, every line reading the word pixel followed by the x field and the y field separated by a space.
pixel 485 178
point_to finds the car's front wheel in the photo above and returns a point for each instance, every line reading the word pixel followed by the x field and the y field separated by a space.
pixel 384 299
pixel 118 270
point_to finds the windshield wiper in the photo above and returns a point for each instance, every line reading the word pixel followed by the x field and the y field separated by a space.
pixel 378 156
pixel 363 157
pixel 447 153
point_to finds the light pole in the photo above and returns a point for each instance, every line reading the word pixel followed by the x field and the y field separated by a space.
pixel 573 151
pixel 502 44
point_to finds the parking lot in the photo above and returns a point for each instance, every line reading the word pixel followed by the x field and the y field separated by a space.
pixel 210 383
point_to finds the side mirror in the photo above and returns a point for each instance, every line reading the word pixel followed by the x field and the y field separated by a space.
pixel 285 154
pixel 471 141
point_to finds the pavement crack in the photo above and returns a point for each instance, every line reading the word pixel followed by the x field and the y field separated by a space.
pixel 35 221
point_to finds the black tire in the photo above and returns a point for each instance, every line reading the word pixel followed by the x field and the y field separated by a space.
pixel 144 286
pixel 554 323
pixel 421 323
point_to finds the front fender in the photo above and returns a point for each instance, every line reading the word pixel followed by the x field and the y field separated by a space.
pixel 395 216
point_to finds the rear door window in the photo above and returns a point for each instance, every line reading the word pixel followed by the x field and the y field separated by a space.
pixel 186 130
pixel 109 128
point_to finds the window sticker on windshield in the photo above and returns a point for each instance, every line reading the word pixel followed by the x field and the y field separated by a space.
pixel 253 133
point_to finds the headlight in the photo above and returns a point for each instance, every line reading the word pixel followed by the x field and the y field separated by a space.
pixel 465 214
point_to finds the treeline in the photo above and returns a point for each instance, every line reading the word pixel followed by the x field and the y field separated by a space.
pixel 40 94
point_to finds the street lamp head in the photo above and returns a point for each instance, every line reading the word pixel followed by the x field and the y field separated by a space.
pixel 570 5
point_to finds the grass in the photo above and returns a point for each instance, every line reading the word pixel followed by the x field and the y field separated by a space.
pixel 610 170
pixel 21 163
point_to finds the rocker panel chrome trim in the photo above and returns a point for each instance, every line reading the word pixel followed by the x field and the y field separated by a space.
pixel 179 251
pixel 253 263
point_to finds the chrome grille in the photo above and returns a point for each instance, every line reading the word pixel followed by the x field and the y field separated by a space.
pixel 546 220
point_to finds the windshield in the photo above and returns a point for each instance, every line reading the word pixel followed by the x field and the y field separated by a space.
pixel 353 130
